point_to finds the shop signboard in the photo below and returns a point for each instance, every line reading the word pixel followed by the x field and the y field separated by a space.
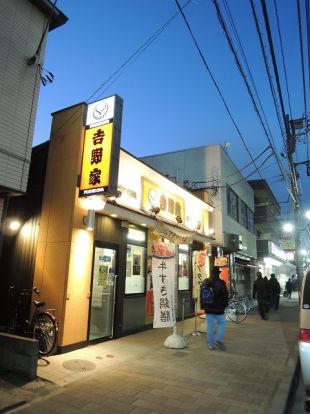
pixel 100 164
pixel 169 205
pixel 221 261
pixel 177 236
pixel 287 245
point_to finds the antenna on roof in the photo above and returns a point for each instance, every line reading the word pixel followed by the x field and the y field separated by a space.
pixel 226 146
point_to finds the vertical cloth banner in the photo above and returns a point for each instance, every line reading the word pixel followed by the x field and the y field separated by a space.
pixel 163 289
pixel 200 272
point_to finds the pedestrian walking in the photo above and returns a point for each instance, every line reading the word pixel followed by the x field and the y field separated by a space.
pixel 215 312
pixel 275 289
pixel 289 288
pixel 261 292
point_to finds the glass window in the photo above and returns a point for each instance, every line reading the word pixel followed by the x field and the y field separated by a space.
pixel 250 226
pixel 136 235
pixel 232 203
pixel 243 216
pixel 183 277
pixel 135 269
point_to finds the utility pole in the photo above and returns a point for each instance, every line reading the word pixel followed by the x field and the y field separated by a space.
pixel 291 146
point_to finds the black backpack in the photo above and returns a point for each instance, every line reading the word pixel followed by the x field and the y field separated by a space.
pixel 207 295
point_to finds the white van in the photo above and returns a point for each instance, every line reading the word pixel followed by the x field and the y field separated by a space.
pixel 304 336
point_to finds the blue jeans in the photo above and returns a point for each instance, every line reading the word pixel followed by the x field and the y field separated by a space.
pixel 221 327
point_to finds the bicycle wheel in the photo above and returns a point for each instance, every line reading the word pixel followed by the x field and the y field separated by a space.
pixel 236 311
pixel 45 330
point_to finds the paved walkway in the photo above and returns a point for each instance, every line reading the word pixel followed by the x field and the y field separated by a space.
pixel 138 375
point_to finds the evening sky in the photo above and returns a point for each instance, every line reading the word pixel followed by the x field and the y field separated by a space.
pixel 170 100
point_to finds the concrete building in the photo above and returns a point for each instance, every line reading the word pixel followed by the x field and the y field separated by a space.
pixel 271 258
pixel 209 168
pixel 24 25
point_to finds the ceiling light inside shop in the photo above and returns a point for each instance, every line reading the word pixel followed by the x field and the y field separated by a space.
pixel 113 215
pixel 137 235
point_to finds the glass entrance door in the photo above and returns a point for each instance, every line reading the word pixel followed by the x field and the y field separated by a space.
pixel 103 294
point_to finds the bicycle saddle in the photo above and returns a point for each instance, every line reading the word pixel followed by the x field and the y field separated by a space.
pixel 38 304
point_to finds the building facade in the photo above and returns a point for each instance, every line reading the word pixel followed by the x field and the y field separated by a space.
pixel 24 25
pixel 210 168
pixel 271 258
pixel 95 249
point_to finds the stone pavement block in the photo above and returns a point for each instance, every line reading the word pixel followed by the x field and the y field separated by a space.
pixel 145 377
pixel 141 410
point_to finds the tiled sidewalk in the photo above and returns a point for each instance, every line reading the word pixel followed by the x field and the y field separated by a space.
pixel 138 375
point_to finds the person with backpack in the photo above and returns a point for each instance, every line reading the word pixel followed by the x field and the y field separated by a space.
pixel 214 300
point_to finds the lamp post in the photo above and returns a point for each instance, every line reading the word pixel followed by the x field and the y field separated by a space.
pixel 294 193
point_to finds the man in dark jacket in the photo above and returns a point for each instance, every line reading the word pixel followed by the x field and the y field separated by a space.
pixel 275 289
pixel 289 288
pixel 215 312
pixel 261 293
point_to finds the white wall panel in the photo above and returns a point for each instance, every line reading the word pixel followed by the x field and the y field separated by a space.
pixel 21 28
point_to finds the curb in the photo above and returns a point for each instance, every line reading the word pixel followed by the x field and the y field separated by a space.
pixel 284 394
pixel 293 388
pixel 12 406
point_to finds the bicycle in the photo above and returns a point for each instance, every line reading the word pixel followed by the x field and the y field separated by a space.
pixel 236 310
pixel 248 302
pixel 43 326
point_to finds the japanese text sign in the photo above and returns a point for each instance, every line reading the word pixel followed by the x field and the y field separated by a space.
pixel 163 275
pixel 96 160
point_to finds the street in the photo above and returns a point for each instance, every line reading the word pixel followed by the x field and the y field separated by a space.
pixel 137 374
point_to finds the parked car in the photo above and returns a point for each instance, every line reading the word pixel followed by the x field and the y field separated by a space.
pixel 304 336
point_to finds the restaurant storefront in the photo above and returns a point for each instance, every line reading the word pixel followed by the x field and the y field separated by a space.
pixel 99 235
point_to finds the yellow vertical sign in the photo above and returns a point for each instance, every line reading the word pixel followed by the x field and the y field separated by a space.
pixel 96 162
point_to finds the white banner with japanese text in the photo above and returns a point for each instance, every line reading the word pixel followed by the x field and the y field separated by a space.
pixel 163 275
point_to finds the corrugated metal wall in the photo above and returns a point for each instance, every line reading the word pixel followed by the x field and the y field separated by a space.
pixel 19 248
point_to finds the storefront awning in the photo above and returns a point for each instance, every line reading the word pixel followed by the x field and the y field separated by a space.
pixel 173 234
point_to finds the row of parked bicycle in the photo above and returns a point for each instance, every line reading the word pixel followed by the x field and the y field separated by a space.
pixel 238 308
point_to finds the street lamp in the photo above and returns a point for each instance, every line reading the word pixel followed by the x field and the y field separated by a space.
pixel 288 227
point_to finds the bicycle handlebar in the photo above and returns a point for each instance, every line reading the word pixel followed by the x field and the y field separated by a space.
pixel 23 292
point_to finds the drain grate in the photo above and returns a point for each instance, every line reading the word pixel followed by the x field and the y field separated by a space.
pixel 79 365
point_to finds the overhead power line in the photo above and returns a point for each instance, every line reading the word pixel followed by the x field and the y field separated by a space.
pixel 230 175
pixel 246 63
pixel 215 84
pixel 282 54
pixel 273 92
pixel 238 63
pixel 116 74
pixel 236 182
pixel 303 70
pixel 273 57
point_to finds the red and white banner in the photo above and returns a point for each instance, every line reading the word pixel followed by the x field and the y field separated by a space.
pixel 163 275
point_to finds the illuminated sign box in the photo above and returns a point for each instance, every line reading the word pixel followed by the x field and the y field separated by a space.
pixel 100 112
pixel 100 162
